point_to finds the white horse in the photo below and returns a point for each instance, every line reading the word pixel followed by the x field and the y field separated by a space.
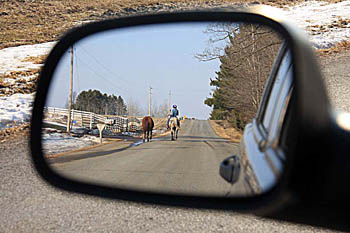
pixel 174 128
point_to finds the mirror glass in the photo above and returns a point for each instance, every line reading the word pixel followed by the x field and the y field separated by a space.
pixel 209 77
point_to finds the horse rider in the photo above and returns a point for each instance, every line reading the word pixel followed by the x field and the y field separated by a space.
pixel 173 113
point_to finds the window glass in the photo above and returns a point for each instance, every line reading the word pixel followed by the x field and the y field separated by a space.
pixel 281 105
pixel 276 90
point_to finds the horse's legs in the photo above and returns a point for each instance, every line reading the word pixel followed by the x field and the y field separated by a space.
pixel 147 135
pixel 176 132
pixel 143 136
pixel 150 134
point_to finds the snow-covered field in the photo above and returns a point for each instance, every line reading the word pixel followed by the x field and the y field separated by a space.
pixel 54 142
pixel 15 109
pixel 334 18
pixel 14 58
pixel 326 25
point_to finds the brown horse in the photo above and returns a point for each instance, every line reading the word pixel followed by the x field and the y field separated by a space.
pixel 147 126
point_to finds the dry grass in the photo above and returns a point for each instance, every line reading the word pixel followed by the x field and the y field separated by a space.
pixel 36 60
pixel 16 74
pixel 159 123
pixel 339 23
pixel 20 85
pixel 37 21
pixel 225 130
pixel 14 132
pixel 341 46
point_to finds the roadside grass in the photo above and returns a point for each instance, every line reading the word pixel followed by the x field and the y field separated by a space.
pixel 159 123
pixel 223 129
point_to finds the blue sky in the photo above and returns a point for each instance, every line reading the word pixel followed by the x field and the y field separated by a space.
pixel 127 62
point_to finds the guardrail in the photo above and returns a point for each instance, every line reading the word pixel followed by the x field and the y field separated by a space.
pixel 90 120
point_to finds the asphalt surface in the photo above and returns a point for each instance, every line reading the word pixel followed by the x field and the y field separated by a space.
pixel 28 204
pixel 189 165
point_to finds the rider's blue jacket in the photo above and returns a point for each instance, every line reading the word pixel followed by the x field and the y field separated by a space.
pixel 174 112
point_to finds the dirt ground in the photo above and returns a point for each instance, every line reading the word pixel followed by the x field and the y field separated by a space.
pixel 37 21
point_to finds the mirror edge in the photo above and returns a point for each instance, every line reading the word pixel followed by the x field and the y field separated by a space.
pixel 275 197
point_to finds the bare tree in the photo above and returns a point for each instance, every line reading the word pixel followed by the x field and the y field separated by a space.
pixel 160 110
pixel 134 108
pixel 220 34
pixel 246 62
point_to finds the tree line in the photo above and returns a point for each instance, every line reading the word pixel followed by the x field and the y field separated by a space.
pixel 246 62
pixel 104 104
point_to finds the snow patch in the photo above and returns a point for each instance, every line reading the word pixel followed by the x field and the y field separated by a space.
pixel 15 109
pixel 54 143
pixel 12 59
pixel 310 15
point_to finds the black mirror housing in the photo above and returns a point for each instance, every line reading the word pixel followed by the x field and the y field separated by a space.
pixel 230 169
pixel 306 74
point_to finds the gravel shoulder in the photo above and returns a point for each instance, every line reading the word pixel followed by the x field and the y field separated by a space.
pixel 336 72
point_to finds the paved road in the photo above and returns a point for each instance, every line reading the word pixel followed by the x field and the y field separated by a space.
pixel 188 165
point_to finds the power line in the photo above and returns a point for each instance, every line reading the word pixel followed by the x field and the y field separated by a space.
pixel 77 72
pixel 97 74
pixel 106 68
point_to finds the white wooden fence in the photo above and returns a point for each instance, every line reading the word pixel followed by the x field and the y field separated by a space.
pixel 90 119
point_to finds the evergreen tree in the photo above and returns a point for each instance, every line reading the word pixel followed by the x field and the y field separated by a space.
pixel 246 62
pixel 96 102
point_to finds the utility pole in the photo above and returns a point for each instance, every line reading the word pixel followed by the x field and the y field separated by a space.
pixel 169 100
pixel 149 101
pixel 70 91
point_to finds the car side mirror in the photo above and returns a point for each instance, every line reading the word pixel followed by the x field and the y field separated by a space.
pixel 107 181
pixel 230 169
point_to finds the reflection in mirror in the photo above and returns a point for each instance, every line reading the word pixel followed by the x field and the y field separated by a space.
pixel 194 87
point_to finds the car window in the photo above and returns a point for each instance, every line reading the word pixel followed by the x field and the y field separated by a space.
pixel 271 107
pixel 280 106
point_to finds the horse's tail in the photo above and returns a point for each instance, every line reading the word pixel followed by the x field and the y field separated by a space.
pixel 152 123
pixel 147 125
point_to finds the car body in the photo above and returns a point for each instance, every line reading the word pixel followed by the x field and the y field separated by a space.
pixel 261 155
